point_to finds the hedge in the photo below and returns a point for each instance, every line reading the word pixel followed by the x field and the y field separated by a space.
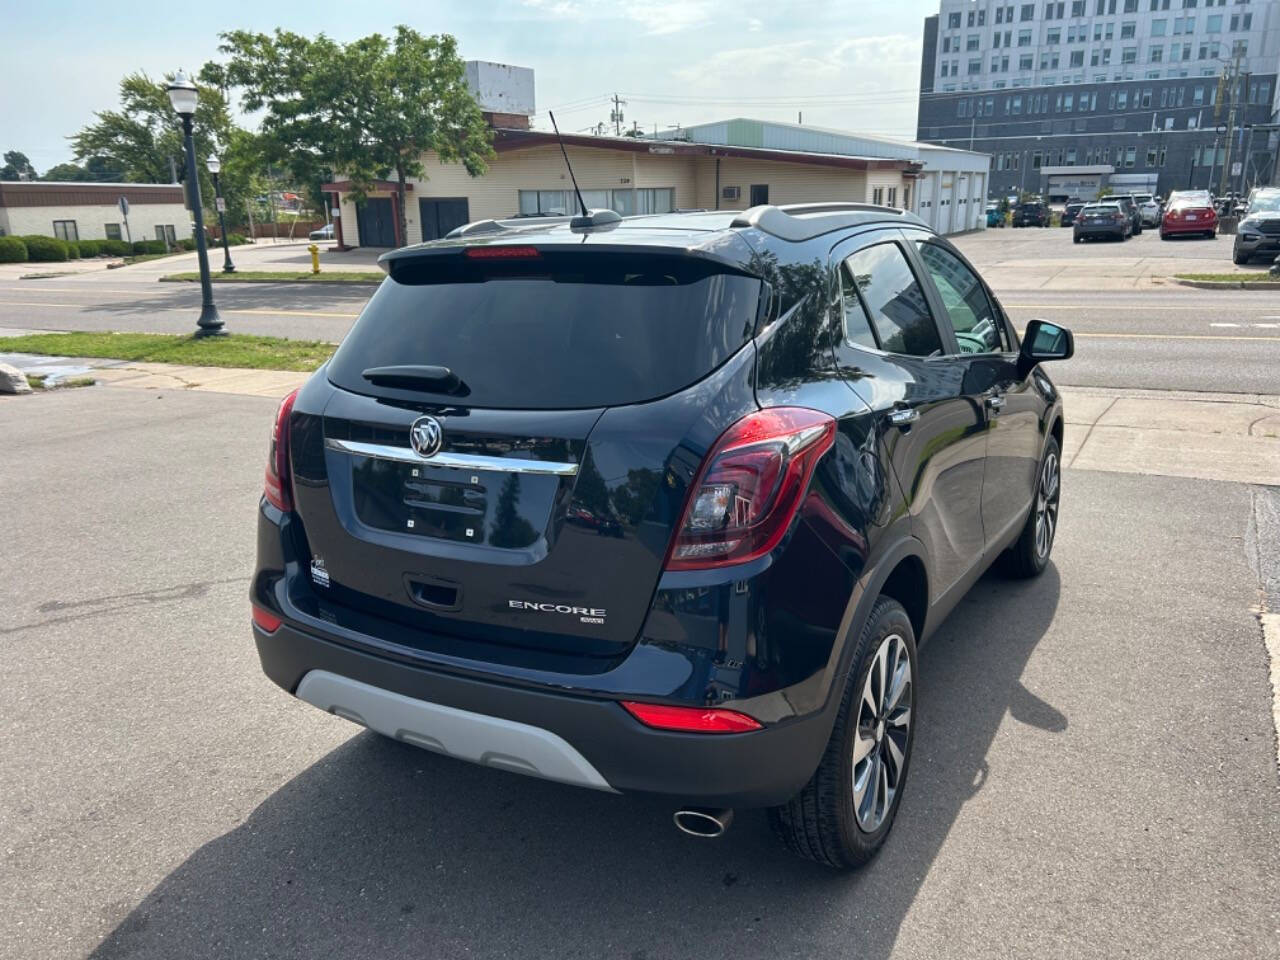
pixel 148 246
pixel 46 249
pixel 235 240
pixel 12 250
pixel 188 243
pixel 89 248
pixel 114 248
pixel 73 249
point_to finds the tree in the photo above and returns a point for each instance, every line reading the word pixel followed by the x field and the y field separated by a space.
pixel 140 138
pixel 66 171
pixel 367 108
pixel 16 166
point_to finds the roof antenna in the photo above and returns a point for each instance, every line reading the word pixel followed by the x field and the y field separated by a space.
pixel 569 165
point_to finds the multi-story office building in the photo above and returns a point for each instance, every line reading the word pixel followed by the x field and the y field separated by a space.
pixel 1070 95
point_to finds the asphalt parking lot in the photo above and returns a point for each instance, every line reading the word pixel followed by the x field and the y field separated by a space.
pixel 1095 768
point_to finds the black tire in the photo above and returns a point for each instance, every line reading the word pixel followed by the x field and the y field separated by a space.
pixel 1075 239
pixel 1239 258
pixel 1163 235
pixel 1025 558
pixel 820 823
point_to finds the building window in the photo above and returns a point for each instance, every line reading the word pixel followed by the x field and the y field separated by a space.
pixel 972 42
pixel 759 195
pixel 1129 55
pixel 1130 156
pixel 165 234
pixel 66 230
pixel 1157 54
pixel 113 231
pixel 906 196
pixel 1128 30
pixel 1028 11
pixel 1025 61
pixel 893 196
pixel 1077 58
pixel 877 196
pixel 953 21
pixel 1158 27
pixel 975 66
pixel 559 203
pixel 1024 38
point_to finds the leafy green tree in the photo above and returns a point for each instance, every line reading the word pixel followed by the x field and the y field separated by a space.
pixel 16 165
pixel 66 171
pixel 139 138
pixel 367 108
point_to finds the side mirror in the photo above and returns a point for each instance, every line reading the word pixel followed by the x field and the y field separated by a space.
pixel 1044 341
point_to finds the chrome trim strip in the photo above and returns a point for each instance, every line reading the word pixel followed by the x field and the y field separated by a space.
pixel 460 461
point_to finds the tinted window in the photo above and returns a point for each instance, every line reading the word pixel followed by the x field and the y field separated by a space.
pixel 894 301
pixel 553 332
pixel 978 328
pixel 857 325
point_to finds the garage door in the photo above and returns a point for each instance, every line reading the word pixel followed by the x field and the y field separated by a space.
pixel 373 218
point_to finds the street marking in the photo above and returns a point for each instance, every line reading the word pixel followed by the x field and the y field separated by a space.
pixel 1224 324
pixel 1176 336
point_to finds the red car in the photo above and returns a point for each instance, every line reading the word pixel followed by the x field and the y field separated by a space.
pixel 1192 214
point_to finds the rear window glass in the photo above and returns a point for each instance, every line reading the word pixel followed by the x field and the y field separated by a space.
pixel 558 331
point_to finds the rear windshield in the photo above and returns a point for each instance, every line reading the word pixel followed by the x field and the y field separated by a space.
pixel 555 331
pixel 1107 208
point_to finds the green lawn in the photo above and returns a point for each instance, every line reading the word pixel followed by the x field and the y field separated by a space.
pixel 235 350
pixel 1262 276
pixel 284 276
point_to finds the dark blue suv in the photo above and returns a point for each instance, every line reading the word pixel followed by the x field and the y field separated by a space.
pixel 660 505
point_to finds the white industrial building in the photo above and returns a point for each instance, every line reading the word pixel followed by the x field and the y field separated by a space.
pixel 92 211
pixel 948 191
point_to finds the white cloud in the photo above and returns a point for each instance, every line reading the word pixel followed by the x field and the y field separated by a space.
pixel 755 24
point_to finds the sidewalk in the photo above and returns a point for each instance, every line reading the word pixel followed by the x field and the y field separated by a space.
pixel 1233 438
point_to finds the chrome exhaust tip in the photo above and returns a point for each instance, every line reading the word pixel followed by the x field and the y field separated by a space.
pixel 704 822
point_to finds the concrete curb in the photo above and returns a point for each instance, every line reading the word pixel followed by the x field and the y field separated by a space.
pixel 1228 284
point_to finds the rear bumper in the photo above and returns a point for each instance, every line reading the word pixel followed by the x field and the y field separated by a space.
pixel 584 741
pixel 1109 230
pixel 1184 226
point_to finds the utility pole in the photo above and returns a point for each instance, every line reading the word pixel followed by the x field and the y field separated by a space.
pixel 616 115
pixel 973 126
pixel 1231 124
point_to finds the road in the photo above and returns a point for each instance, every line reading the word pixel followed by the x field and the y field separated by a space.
pixel 1171 338
pixel 1094 771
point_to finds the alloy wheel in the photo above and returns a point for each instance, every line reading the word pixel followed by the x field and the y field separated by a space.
pixel 1047 505
pixel 882 733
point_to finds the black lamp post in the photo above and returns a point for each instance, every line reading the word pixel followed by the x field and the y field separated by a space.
pixel 182 94
pixel 214 165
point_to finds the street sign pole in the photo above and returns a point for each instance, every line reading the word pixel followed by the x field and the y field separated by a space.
pixel 124 212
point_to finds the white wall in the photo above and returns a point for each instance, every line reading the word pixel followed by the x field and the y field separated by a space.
pixel 91 221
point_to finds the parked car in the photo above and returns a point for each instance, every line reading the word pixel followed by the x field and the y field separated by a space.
pixel 1070 212
pixel 995 218
pixel 747 635
pixel 1149 210
pixel 1189 213
pixel 1130 208
pixel 324 233
pixel 1105 220
pixel 1258 234
pixel 1031 214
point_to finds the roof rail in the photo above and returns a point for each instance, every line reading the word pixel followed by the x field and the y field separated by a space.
pixel 479 227
pixel 804 221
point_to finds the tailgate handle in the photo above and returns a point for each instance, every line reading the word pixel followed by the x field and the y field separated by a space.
pixel 433 592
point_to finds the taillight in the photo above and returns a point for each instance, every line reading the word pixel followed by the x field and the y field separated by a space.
pixel 691 719
pixel 276 486
pixel 502 253
pixel 749 487
pixel 262 618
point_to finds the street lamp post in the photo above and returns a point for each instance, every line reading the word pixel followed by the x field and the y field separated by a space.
pixel 215 165
pixel 183 95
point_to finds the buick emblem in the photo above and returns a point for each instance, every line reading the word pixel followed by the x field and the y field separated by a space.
pixel 426 436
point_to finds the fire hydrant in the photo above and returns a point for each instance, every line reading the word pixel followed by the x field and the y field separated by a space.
pixel 315 258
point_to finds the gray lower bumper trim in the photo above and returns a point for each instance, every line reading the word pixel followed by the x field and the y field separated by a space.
pixel 490 741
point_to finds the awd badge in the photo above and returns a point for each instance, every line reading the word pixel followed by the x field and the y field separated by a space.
pixel 319 575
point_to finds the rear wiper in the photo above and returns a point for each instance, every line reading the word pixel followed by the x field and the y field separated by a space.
pixel 434 379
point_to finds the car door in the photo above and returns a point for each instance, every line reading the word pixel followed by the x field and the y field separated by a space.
pixel 897 358
pixel 1013 405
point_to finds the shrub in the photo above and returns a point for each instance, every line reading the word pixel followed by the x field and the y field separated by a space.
pixel 89 248
pixel 12 250
pixel 46 249
pixel 73 249
pixel 188 244
pixel 236 240
pixel 148 246
pixel 114 248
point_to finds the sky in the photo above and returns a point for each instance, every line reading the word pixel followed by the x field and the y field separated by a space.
pixel 852 64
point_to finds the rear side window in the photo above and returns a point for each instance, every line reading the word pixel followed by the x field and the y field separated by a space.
pixel 555 331
pixel 893 300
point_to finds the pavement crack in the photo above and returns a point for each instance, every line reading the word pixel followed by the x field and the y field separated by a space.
pixel 1088 433
pixel 67 611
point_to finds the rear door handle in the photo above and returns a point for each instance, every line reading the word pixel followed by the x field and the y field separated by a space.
pixel 904 416
pixel 995 403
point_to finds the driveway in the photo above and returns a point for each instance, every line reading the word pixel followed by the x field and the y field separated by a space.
pixel 1095 771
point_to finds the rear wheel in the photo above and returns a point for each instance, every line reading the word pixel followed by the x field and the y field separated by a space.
pixel 1075 239
pixel 1029 554
pixel 1240 258
pixel 843 814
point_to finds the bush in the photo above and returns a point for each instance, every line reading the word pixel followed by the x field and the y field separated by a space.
pixel 46 249
pixel 235 240
pixel 12 250
pixel 89 248
pixel 114 248
pixel 188 244
pixel 73 250
pixel 147 246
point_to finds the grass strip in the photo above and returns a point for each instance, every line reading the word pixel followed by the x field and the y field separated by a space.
pixel 234 350
pixel 1260 277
